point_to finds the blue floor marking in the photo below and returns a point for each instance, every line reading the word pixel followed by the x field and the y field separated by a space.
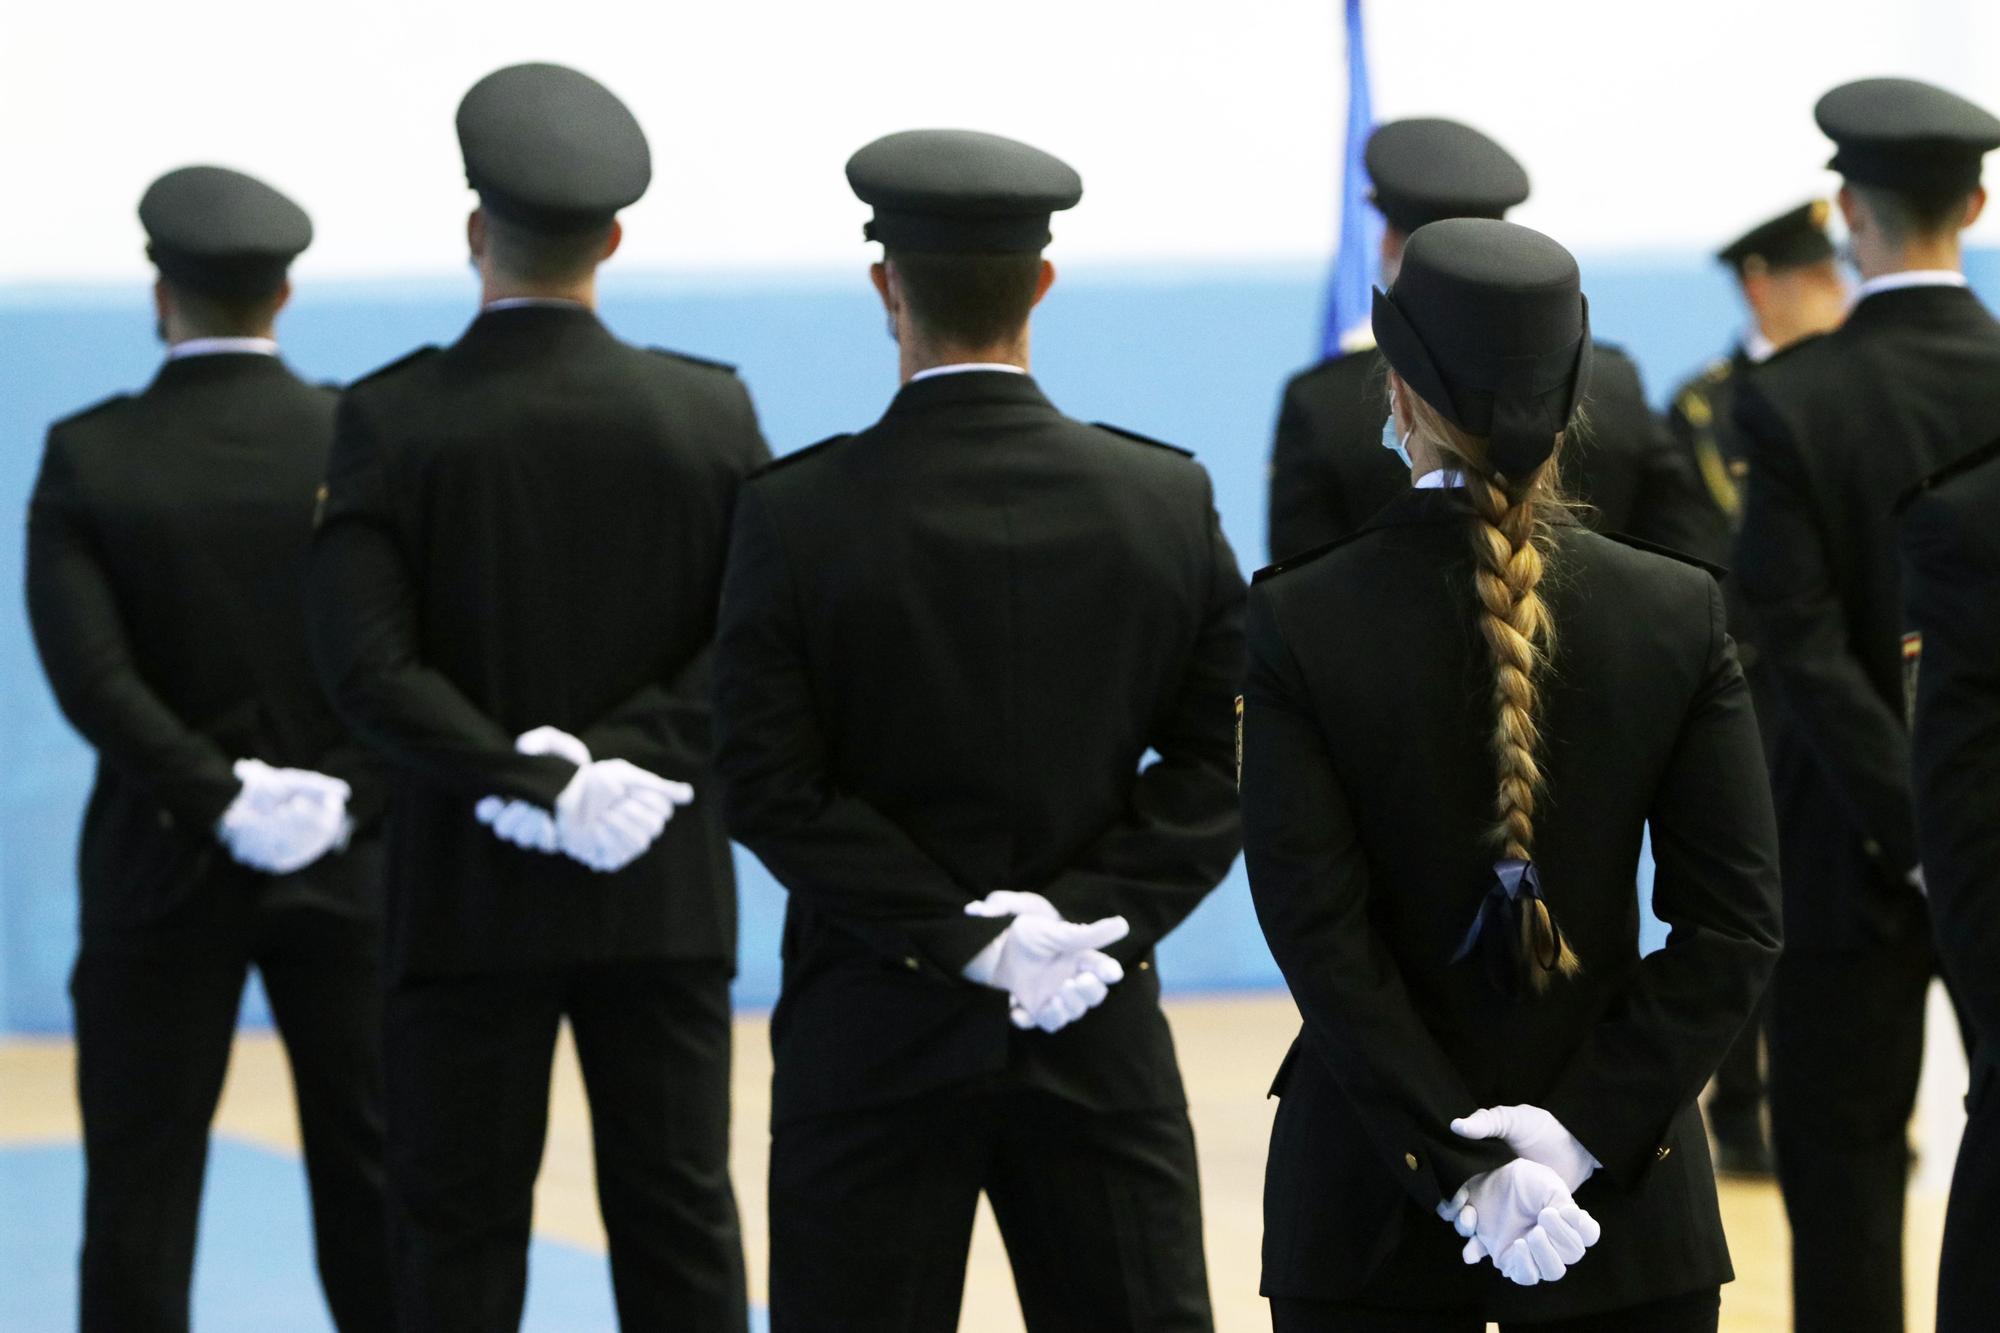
pixel 253 1270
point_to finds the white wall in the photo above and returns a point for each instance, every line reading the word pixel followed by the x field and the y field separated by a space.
pixel 1203 130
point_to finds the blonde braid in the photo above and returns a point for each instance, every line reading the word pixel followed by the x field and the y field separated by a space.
pixel 1510 545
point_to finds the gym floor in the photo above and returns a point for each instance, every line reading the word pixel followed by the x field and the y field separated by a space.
pixel 255 1267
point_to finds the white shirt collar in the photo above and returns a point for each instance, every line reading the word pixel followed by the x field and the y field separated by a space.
pixel 1757 347
pixel 1440 479
pixel 531 302
pixel 1910 277
pixel 216 346
pixel 965 367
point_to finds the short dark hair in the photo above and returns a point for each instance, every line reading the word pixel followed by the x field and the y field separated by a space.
pixel 1903 214
pixel 207 315
pixel 968 300
pixel 540 256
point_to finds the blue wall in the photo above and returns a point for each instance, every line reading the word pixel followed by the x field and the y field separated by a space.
pixel 1193 356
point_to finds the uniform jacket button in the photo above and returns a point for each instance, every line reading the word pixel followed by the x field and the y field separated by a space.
pixel 1145 966
pixel 166 819
pixel 912 964
pixel 1410 1160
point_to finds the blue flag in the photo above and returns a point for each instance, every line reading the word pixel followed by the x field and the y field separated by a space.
pixel 1349 290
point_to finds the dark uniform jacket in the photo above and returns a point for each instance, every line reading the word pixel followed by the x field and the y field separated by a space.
pixel 527 528
pixel 1701 422
pixel 1330 473
pixel 167 542
pixel 1838 427
pixel 1951 590
pixel 1367 793
pixel 947 645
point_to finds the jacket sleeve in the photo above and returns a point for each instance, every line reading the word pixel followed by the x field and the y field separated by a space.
pixel 1803 635
pixel 831 848
pixel 1952 598
pixel 1715 849
pixel 1305 505
pixel 364 618
pixel 1309 881
pixel 81 635
pixel 1182 828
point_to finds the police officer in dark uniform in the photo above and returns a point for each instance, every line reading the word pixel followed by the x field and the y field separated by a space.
pixel 1951 595
pixel 233 822
pixel 1328 474
pixel 1791 284
pixel 948 643
pixel 515 586
pixel 1836 429
pixel 1442 833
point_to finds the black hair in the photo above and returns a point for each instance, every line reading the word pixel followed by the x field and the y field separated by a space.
pixel 535 256
pixel 968 300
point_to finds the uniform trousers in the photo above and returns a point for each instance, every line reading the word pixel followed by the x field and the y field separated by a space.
pixel 1968 1277
pixel 155 1015
pixel 872 1214
pixel 468 1079
pixel 1847 1047
pixel 1696 1313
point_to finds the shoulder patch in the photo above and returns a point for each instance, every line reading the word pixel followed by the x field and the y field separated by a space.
pixel 82 414
pixel 1979 457
pixel 693 360
pixel 407 359
pixel 1654 548
pixel 1143 439
pixel 786 460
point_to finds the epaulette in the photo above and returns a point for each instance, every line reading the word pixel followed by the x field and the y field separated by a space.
pixel 1654 548
pixel 1692 397
pixel 408 358
pixel 693 360
pixel 786 460
pixel 1985 453
pixel 1143 439
pixel 101 405
pixel 1305 557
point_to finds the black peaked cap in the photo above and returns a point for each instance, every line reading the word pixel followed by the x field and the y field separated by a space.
pixel 1790 240
pixel 1487 323
pixel 221 232
pixel 1904 134
pixel 961 191
pixel 551 149
pixel 1427 169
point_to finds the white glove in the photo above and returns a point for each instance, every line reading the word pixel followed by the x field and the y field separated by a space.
pixel 524 823
pixel 1052 970
pixel 1534 1134
pixel 284 819
pixel 1522 1217
pixel 1013 902
pixel 612 811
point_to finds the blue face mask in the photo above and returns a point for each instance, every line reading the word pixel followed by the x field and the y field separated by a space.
pixel 1397 445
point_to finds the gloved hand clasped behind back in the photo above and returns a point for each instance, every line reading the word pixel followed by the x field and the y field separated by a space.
pixel 1522 1217
pixel 284 819
pixel 607 816
pixel 1054 971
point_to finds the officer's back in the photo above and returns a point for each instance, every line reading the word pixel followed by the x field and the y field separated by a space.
pixel 543 465
pixel 1003 593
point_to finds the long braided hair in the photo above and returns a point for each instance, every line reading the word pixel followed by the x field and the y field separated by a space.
pixel 1512 547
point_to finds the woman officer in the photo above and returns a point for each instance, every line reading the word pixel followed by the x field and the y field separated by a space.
pixel 1457 725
